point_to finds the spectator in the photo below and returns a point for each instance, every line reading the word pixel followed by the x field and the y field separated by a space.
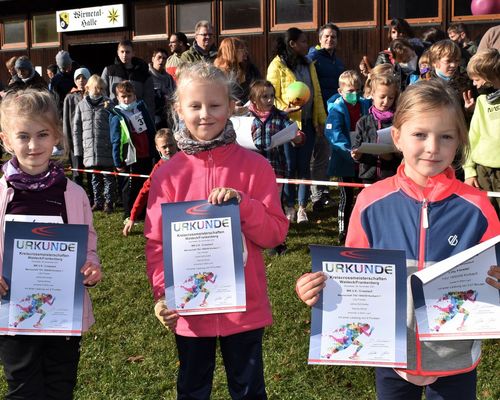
pixel 398 29
pixel 328 68
pixel 81 76
pixel 26 76
pixel 10 65
pixel 163 85
pixel 433 35
pixel 133 69
pixel 460 35
pixel 178 44
pixel 405 62
pixel 203 47
pixel 51 72
pixel 63 81
pixel 291 65
pixel 491 39
pixel 232 59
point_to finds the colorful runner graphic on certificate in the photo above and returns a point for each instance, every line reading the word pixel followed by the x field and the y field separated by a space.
pixel 453 301
pixel 360 318
pixel 203 257
pixel 42 265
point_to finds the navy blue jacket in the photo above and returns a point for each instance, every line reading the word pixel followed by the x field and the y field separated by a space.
pixel 328 69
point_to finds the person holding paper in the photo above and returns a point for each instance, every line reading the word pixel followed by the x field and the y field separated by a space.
pixel 384 89
pixel 344 110
pixel 430 214
pixel 35 185
pixel 210 165
pixel 268 121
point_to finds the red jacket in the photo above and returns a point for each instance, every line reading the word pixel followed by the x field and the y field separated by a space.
pixel 192 177
pixel 142 198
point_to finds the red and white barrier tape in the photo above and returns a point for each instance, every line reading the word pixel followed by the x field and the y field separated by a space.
pixel 278 180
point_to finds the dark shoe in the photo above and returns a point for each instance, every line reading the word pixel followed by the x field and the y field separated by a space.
pixel 281 249
pixel 97 207
pixel 318 206
pixel 342 238
pixel 108 208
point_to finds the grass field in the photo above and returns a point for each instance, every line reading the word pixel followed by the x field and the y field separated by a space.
pixel 129 355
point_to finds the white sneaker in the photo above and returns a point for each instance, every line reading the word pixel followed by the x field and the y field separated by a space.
pixel 302 216
pixel 290 213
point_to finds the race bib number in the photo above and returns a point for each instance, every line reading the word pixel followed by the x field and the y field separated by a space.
pixel 138 122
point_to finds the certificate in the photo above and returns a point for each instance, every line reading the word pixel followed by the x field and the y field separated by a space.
pixel 42 265
pixel 453 301
pixel 203 257
pixel 360 318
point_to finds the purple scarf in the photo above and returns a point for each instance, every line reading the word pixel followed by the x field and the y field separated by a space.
pixel 381 116
pixel 20 180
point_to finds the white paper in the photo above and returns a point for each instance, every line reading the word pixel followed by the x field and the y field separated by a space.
pixel 284 136
pixel 243 128
pixel 452 299
pixel 376 148
pixel 384 136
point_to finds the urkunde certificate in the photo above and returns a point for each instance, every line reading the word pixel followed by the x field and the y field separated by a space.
pixel 42 265
pixel 453 301
pixel 360 318
pixel 203 257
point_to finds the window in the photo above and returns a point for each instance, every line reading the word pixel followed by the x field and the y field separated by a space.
pixel 414 11
pixel 13 34
pixel 45 30
pixel 150 20
pixel 232 12
pixel 297 13
pixel 188 14
pixel 461 10
pixel 352 12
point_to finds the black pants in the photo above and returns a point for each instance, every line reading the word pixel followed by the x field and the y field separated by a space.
pixel 40 367
pixel 130 187
pixel 242 355
pixel 390 386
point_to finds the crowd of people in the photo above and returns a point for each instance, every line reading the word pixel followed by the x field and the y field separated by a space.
pixel 170 119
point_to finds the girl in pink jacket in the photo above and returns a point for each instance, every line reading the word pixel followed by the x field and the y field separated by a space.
pixel 34 185
pixel 212 166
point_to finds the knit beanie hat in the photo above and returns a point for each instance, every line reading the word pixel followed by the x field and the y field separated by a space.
pixel 23 62
pixel 63 60
pixel 82 71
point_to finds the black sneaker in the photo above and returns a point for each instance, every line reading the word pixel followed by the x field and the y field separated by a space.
pixel 318 206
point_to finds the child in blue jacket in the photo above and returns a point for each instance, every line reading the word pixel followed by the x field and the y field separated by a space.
pixel 132 132
pixel 344 111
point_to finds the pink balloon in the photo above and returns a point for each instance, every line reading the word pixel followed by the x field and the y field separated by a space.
pixel 481 7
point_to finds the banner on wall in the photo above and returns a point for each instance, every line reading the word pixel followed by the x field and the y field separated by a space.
pixel 85 19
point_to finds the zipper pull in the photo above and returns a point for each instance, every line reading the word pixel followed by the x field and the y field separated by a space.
pixel 425 217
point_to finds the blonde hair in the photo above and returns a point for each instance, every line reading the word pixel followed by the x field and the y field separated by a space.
pixel 431 95
pixel 425 58
pixel 95 81
pixel 381 69
pixel 199 71
pixel 351 78
pixel 486 65
pixel 444 48
pixel 33 105
pixel 383 79
pixel 164 133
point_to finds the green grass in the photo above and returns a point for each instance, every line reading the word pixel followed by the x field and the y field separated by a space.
pixel 129 355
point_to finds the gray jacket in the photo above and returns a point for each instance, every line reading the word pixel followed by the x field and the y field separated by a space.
pixel 91 138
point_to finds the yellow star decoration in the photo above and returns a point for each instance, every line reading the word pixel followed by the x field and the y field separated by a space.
pixel 113 15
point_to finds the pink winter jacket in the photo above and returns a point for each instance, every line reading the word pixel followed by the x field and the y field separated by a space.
pixel 192 177
pixel 78 212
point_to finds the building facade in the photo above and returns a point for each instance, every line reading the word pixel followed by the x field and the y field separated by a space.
pixel 30 27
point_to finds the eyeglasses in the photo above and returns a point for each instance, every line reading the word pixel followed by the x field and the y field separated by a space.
pixel 174 42
pixel 207 35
